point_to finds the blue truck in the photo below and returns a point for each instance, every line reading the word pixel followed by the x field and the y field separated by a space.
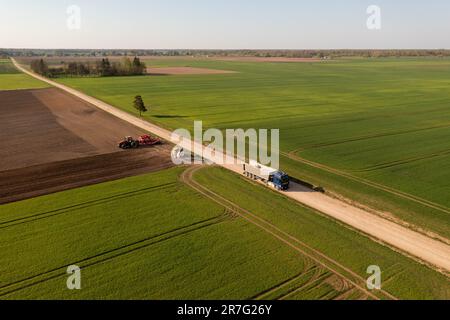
pixel 271 177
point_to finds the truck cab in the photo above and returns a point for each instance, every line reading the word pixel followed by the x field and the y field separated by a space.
pixel 279 180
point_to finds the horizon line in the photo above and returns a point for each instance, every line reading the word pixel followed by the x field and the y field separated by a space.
pixel 215 49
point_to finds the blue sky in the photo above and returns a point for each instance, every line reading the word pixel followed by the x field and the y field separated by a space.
pixel 225 24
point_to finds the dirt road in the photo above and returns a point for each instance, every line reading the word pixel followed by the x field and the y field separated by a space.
pixel 431 251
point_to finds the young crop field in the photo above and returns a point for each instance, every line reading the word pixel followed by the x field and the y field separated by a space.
pixel 6 67
pixel 12 79
pixel 148 237
pixel 161 236
pixel 373 130
pixel 403 278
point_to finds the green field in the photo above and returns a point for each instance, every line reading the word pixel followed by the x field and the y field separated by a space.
pixel 149 237
pixel 13 79
pixel 380 127
pixel 153 237
pixel 403 277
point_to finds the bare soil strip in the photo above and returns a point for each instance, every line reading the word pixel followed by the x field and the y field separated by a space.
pixel 184 71
pixel 431 251
pixel 34 181
pixel 267 59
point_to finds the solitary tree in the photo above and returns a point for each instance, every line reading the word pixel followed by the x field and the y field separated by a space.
pixel 40 67
pixel 139 105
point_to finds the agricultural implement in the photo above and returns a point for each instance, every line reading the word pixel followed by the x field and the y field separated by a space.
pixel 142 141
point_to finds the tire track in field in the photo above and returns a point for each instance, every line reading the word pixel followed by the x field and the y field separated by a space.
pixel 390 164
pixel 263 295
pixel 375 185
pixel 112 254
pixel 331 295
pixel 299 246
pixel 345 295
pixel 352 292
pixel 84 205
pixel 317 273
pixel 318 279
pixel 367 137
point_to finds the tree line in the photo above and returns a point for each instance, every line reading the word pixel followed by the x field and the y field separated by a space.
pixel 335 53
pixel 100 68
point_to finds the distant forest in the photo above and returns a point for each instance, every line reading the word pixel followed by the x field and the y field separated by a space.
pixel 228 53
pixel 100 68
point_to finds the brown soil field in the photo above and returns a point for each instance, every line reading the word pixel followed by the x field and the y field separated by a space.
pixel 53 141
pixel 48 125
pixel 24 183
pixel 184 71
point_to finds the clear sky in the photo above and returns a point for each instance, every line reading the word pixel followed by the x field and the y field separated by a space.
pixel 224 24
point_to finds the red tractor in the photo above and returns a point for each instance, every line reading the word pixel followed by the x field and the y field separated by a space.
pixel 144 140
